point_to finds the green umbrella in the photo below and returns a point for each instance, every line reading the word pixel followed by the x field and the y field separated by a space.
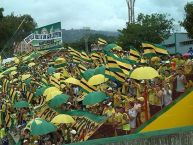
pixel 100 70
pixel 88 74
pixel 94 98
pixel 91 72
pixel 51 70
pixel 110 47
pixel 40 126
pixel 58 100
pixel 9 70
pixel 40 91
pixel 21 104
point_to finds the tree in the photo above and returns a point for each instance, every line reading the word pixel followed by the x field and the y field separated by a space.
pixel 1 13
pixel 80 45
pixel 188 21
pixel 148 28
pixel 13 29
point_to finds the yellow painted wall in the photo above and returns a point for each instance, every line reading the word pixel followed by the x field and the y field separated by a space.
pixel 179 115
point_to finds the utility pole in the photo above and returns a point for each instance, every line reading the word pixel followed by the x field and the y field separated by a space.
pixel 86 37
pixel 131 11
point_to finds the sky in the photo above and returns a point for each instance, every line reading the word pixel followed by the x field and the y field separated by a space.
pixel 109 15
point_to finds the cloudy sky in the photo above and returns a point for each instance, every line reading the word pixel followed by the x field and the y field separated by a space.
pixel 97 14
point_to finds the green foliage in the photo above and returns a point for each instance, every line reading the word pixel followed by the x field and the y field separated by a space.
pixel 148 28
pixel 80 45
pixel 188 21
pixel 11 30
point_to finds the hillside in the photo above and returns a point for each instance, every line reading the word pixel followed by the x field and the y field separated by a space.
pixel 73 35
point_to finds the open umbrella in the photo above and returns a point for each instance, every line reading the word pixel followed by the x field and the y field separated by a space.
pixel 40 91
pixel 112 47
pixel 58 100
pixel 72 81
pixel 57 75
pixel 21 104
pixel 51 92
pixel 40 126
pixel 94 98
pixel 13 73
pixel 31 64
pixel 60 60
pixel 63 118
pixel 25 76
pixel 144 73
pixel 97 79
pixel 51 70
pixel 9 70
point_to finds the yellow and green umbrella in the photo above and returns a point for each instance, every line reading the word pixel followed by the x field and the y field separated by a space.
pixel 21 104
pixel 97 80
pixel 60 60
pixel 94 98
pixel 31 64
pixel 58 100
pixel 25 77
pixel 144 73
pixel 63 118
pixel 51 92
pixel 72 81
pixel 51 70
pixel 40 126
pixel 13 73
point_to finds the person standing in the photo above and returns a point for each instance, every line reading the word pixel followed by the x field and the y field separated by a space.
pixel 180 83
pixel 132 116
pixel 167 95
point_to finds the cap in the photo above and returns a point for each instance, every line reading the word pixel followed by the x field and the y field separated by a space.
pixel 73 131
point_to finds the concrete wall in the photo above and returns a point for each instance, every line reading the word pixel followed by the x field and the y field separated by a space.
pixel 183 43
pixel 178 136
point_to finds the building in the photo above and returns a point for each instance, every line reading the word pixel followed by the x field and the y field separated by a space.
pixel 178 43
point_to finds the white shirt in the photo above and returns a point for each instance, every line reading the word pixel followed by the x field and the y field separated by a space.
pixel 167 97
pixel 180 83
pixel 133 113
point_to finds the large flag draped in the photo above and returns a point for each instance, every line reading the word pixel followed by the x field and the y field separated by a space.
pixel 148 50
pixel 151 50
pixel 134 55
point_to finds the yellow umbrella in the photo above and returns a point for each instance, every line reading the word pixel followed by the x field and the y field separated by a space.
pixel 16 60
pixel 1 76
pixel 26 76
pixel 51 92
pixel 144 73
pixel 65 73
pixel 155 59
pixel 60 60
pixel 14 80
pixel 72 81
pixel 118 48
pixel 97 79
pixel 63 118
pixel 13 73
pixel 51 95
pixel 57 75
pixel 31 64
pixel 50 89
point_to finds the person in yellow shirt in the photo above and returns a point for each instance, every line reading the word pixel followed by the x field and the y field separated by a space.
pixel 109 111
pixel 117 99
pixel 188 67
